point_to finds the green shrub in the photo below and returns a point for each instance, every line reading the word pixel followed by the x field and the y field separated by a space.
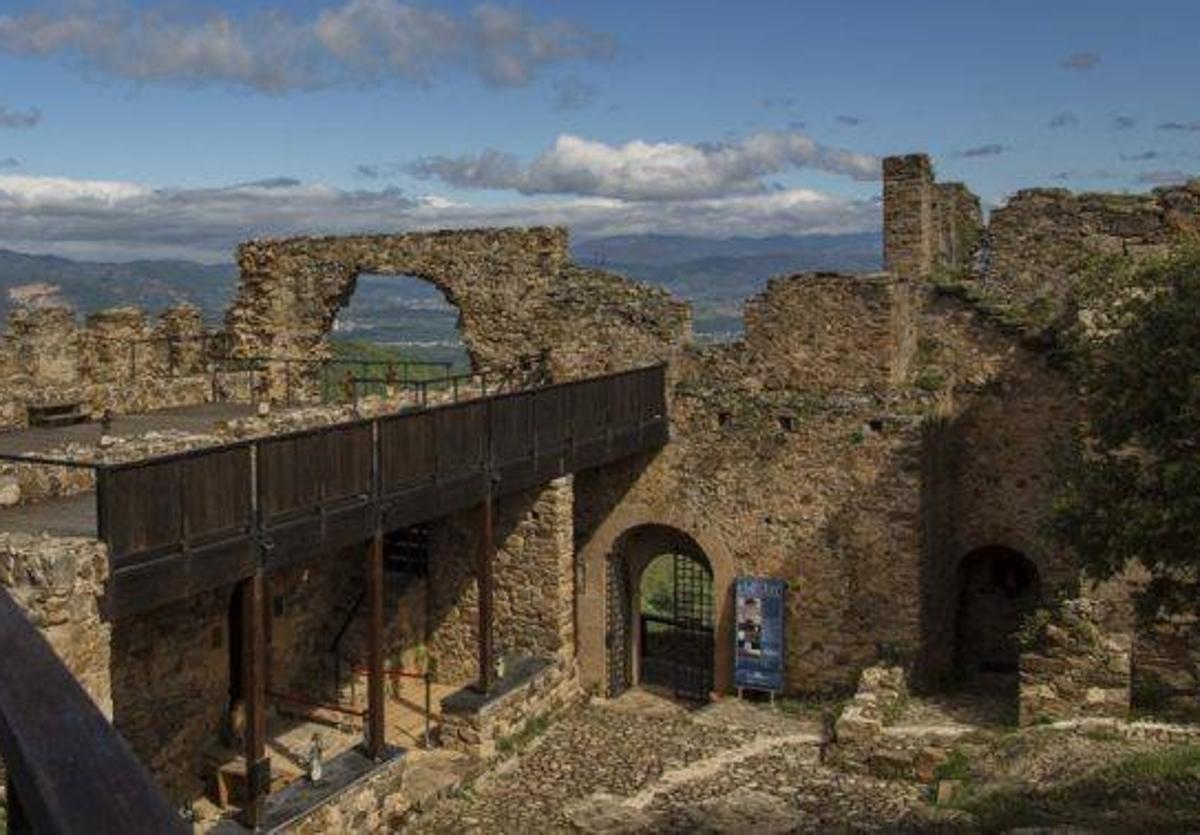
pixel 956 767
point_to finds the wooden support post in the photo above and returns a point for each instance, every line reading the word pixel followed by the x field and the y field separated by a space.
pixel 254 684
pixel 487 668
pixel 376 741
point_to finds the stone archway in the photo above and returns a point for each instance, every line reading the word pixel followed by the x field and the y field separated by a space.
pixel 519 296
pixel 997 587
pixel 291 290
pixel 608 549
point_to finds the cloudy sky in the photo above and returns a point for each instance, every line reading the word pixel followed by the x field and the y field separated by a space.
pixel 133 128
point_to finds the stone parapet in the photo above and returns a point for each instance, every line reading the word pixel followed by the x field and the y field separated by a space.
pixel 532 689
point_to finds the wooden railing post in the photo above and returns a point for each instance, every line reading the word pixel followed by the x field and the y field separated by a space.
pixel 254 683
pixel 487 669
pixel 376 741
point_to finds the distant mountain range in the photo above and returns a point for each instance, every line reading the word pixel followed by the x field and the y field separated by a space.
pixel 715 274
pixel 89 286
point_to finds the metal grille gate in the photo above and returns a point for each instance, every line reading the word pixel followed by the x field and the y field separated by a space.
pixel 617 637
pixel 677 652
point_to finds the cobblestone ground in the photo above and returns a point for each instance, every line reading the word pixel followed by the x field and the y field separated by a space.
pixel 637 766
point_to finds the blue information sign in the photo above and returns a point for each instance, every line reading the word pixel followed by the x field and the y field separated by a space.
pixel 759 633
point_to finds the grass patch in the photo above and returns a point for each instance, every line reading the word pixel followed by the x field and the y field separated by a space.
pixel 530 731
pixel 1158 790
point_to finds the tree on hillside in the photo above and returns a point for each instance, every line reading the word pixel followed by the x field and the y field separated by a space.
pixel 1132 484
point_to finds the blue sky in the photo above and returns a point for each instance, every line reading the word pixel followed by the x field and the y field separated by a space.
pixel 181 127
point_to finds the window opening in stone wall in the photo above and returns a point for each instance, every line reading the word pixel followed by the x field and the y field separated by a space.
pixel 399 318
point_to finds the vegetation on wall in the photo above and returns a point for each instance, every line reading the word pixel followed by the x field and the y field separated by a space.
pixel 1131 481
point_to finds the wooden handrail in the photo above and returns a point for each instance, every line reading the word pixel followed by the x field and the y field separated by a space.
pixel 70 772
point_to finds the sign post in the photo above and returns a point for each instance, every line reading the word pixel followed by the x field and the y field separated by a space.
pixel 758 654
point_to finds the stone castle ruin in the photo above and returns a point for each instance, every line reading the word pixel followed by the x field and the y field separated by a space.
pixel 883 443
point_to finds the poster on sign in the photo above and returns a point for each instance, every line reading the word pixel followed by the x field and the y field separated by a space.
pixel 758 657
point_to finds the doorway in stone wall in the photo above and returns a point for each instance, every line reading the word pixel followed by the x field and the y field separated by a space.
pixel 998 587
pixel 660 612
pixel 676 626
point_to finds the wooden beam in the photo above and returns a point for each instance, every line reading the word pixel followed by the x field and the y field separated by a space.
pixel 375 727
pixel 254 692
pixel 487 668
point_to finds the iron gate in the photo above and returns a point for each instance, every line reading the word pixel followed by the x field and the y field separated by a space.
pixel 617 637
pixel 677 651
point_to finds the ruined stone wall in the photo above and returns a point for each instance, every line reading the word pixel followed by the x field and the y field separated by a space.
pixel 958 216
pixel 909 245
pixel 1077 666
pixel 115 359
pixel 927 226
pixel 534 582
pixel 863 438
pixel 1042 240
pixel 1035 247
pixel 519 298
pixel 311 604
pixel 308 604
pixel 170 683
pixel 1166 668
pixel 60 583
pixel 998 415
pixel 796 452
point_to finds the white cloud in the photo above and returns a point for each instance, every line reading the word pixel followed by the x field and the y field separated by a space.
pixel 97 219
pixel 639 170
pixel 357 42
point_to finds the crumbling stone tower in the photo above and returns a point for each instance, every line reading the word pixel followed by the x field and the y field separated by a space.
pixel 927 225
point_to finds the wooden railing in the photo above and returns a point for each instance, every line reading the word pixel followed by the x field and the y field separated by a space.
pixel 69 771
pixel 181 524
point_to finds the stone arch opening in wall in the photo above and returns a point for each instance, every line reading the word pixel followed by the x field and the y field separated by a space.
pixel 662 614
pixel 997 587
pixel 399 316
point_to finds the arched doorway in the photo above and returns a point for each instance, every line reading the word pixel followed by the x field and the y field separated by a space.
pixel 998 587
pixel 661 618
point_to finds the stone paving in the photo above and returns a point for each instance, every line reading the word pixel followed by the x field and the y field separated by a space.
pixel 639 764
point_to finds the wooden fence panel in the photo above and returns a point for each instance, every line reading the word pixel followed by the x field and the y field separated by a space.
pixel 589 411
pixel 461 438
pixel 552 416
pixel 142 508
pixel 512 428
pixel 216 494
pixel 346 469
pixel 289 474
pixel 407 450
